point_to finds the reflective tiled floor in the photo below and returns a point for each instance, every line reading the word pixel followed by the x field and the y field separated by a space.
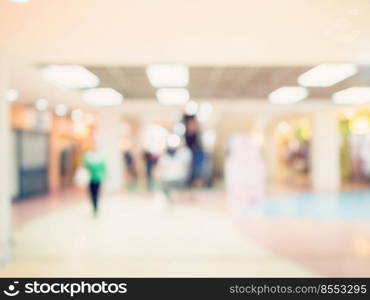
pixel 141 235
pixel 327 233
pixel 348 205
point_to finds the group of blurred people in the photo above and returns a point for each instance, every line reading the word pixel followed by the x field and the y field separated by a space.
pixel 183 164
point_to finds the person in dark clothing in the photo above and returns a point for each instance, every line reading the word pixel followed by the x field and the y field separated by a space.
pixel 193 141
pixel 131 168
pixel 150 162
pixel 96 167
pixel 94 188
pixel 192 134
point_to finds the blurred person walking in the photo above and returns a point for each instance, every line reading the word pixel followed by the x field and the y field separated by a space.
pixel 96 166
pixel 173 169
pixel 131 169
pixel 150 161
pixel 193 141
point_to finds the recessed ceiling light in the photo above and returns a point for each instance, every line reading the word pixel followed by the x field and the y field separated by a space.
pixel 288 95
pixel 353 95
pixel 11 95
pixel 70 76
pixel 172 96
pixel 60 110
pixel 20 1
pixel 102 97
pixel 165 76
pixel 325 75
pixel 42 104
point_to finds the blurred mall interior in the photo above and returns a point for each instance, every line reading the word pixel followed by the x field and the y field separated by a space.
pixel 234 137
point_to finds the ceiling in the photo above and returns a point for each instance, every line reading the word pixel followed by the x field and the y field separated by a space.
pixel 195 32
pixel 236 49
pixel 223 82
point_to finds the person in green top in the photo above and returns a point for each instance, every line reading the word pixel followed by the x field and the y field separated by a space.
pixel 96 167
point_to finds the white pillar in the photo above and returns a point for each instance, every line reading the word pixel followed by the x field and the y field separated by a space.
pixel 270 153
pixel 5 174
pixel 108 140
pixel 325 152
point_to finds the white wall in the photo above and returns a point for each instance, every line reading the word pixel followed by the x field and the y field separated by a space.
pixel 13 178
pixel 4 160
pixel 192 31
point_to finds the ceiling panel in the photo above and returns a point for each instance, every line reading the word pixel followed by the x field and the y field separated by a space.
pixel 228 82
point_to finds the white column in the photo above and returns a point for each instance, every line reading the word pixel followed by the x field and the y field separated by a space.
pixel 5 174
pixel 325 152
pixel 108 142
pixel 270 153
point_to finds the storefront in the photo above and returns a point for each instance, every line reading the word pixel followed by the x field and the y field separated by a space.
pixel 293 140
pixel 29 153
pixel 355 146
pixel 46 150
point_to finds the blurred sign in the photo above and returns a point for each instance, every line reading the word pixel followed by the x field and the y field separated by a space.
pixel 244 172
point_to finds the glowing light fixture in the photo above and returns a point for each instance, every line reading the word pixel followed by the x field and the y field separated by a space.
pixel 102 97
pixel 353 95
pixel 41 104
pixel 60 110
pixel 172 96
pixel 325 75
pixel 165 76
pixel 20 1
pixel 288 95
pixel 11 95
pixel 70 76
pixel 154 138
pixel 360 125
pixel 191 108
pixel 173 140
